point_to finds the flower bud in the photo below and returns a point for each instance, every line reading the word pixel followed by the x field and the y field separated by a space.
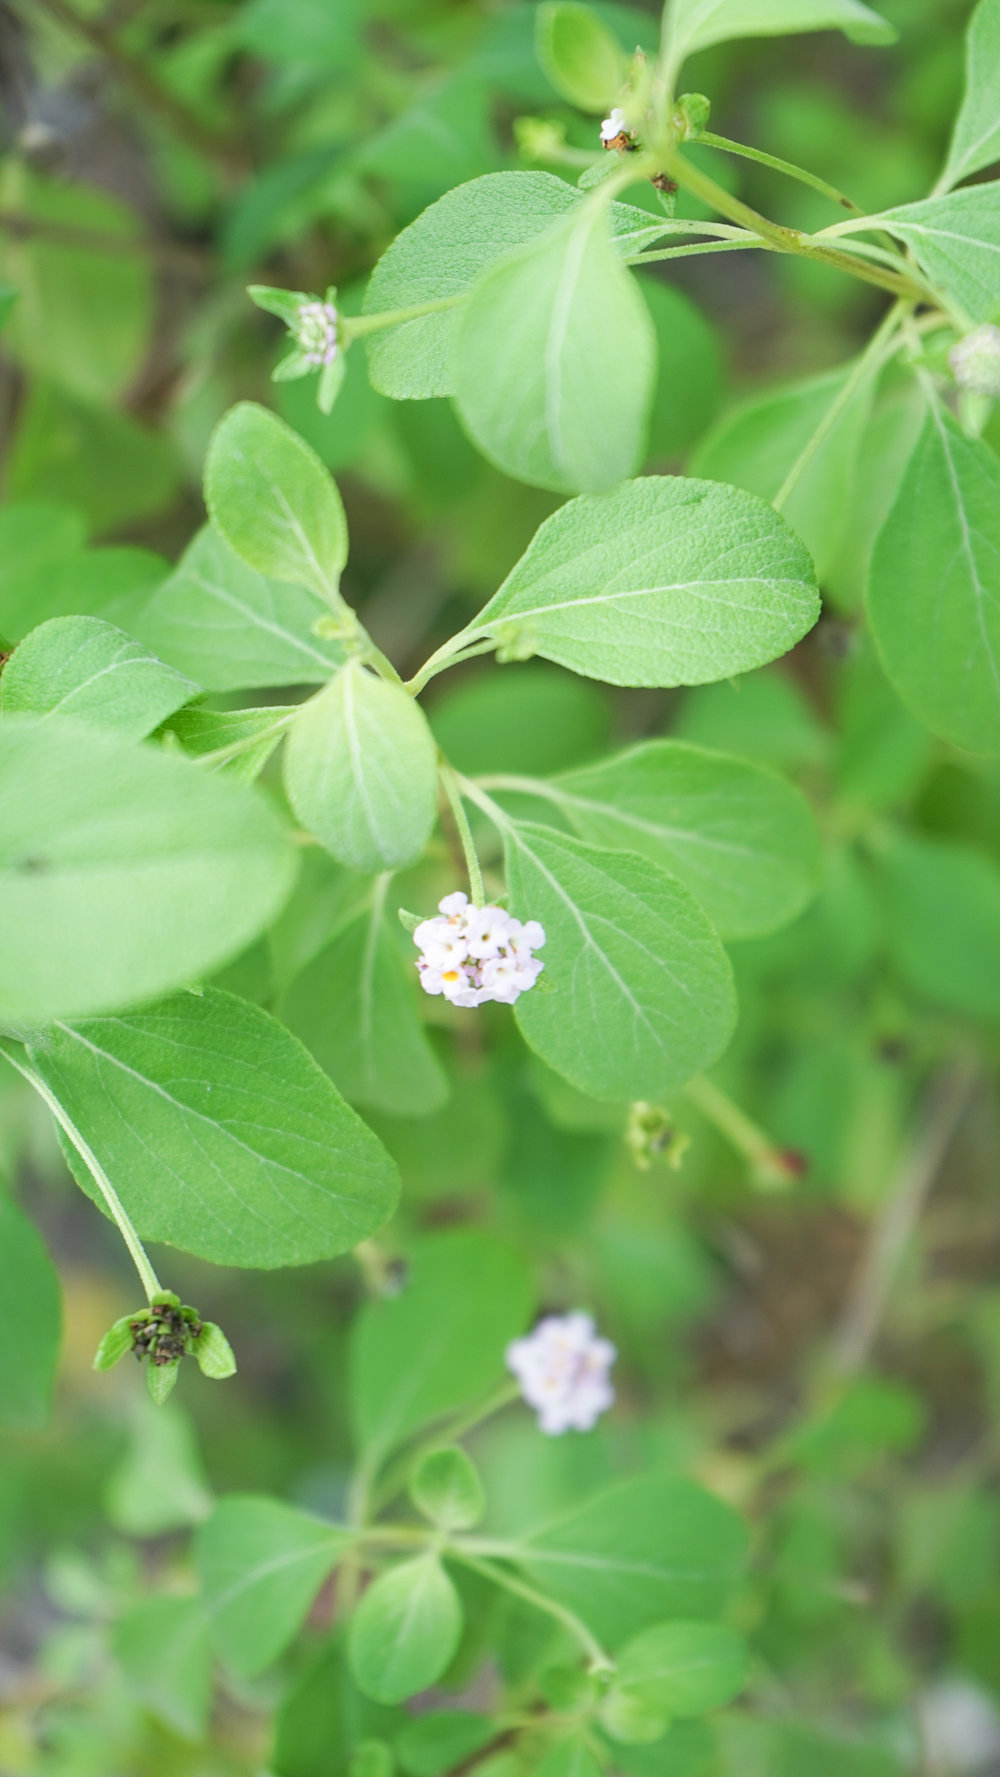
pixel 975 362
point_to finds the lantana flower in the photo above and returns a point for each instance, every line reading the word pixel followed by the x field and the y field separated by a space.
pixel 475 954
pixel 314 325
pixel 562 1370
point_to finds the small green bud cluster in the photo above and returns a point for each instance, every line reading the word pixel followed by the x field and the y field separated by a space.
pixel 314 325
pixel 651 1133
pixel 164 1333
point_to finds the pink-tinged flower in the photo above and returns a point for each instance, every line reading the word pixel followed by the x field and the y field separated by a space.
pixel 562 1369
pixel 316 332
pixel 475 954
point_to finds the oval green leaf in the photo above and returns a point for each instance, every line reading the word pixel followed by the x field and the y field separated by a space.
pixel 88 669
pixel 123 872
pixel 219 1132
pixel 637 993
pixel 405 1630
pixel 274 502
pixel 934 586
pixel 361 771
pixel 261 1564
pixel 568 323
pixel 667 581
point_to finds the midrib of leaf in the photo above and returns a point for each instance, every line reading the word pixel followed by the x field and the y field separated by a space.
pixel 356 754
pixel 277 1564
pixel 593 945
pixel 656 829
pixel 189 1112
pixel 979 590
pixel 566 288
pixel 258 622
pixel 280 501
pixel 612 598
pixel 124 661
pixel 607 1563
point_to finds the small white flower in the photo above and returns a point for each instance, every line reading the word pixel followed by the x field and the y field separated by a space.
pixel 316 332
pixel 975 361
pixel 475 954
pixel 614 125
pixel 486 931
pixel 562 1369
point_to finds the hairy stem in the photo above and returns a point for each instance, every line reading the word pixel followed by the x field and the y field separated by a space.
pixel 450 785
pixel 150 1281
pixel 600 1661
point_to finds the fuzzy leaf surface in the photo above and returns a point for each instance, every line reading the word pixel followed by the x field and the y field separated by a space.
pixel 219 1132
pixel 666 581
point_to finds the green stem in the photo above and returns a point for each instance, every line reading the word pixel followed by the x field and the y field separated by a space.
pixel 150 1281
pixel 786 240
pixel 599 1659
pixel 457 648
pixel 740 245
pixel 867 365
pixel 356 326
pixel 449 784
pixel 769 1165
pixel 778 166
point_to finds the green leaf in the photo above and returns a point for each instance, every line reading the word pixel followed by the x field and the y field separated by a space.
pixel 581 57
pixel 405 1630
pixel 230 628
pixel 373 1758
pixel 446 1487
pixel 30 1322
pixel 84 315
pixel 643 1551
pixel 673 1670
pixel 219 1132
pixel 756 445
pixel 440 256
pixel 214 1353
pixel 573 1758
pixel 8 297
pixel 934 586
pixel 272 499
pixel 639 990
pixel 694 24
pixel 667 581
pixel 261 1564
pixel 434 1744
pixel 689 388
pixel 81 667
pixel 976 140
pixel 355 1008
pixel 943 923
pixel 360 769
pixel 201 731
pixel 162 1646
pixel 439 1345
pixel 742 839
pixel 531 718
pixel 569 324
pixel 956 242
pixel 123 873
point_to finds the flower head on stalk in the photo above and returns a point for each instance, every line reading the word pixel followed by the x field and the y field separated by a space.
pixel 314 325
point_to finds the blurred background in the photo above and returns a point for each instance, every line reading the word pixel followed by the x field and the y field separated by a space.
pixel 827 1355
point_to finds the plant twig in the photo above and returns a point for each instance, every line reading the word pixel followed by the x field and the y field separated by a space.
pixel 891 1233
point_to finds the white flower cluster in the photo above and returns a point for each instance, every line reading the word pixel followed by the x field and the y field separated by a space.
pixel 614 126
pixel 316 332
pixel 562 1368
pixel 975 361
pixel 474 954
